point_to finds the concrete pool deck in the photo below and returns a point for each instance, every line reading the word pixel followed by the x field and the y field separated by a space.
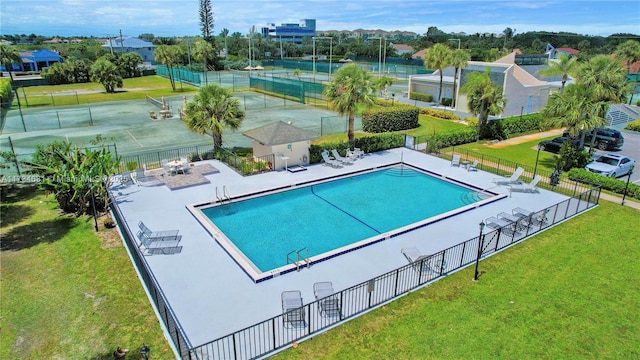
pixel 212 296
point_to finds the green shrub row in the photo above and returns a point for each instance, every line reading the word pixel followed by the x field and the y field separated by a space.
pixel 611 184
pixel 5 92
pixel 633 126
pixel 421 97
pixel 367 144
pixel 441 140
pixel 440 114
pixel 505 128
pixel 387 119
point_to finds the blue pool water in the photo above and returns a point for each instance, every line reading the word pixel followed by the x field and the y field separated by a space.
pixel 330 215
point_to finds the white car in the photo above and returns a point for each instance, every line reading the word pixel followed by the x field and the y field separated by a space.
pixel 612 165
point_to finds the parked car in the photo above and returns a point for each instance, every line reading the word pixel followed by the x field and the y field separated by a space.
pixel 612 165
pixel 606 139
pixel 554 145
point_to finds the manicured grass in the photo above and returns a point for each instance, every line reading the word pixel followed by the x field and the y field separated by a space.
pixel 66 292
pixel 73 94
pixel 569 293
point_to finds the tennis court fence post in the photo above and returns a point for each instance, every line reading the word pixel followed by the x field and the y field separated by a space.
pixel 90 116
pixel 59 124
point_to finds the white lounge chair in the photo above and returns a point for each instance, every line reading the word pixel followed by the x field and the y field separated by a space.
pixel 473 166
pixel 513 179
pixel 340 158
pixel 455 160
pixel 292 309
pixel 329 304
pixel 529 188
pixel 329 161
pixel 423 264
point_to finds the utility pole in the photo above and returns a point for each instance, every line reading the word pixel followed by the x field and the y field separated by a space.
pixel 121 42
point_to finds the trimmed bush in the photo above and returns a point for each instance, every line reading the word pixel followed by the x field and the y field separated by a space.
pixel 440 114
pixel 388 119
pixel 367 144
pixel 500 129
pixel 615 185
pixel 438 141
pixel 446 101
pixel 421 97
pixel 633 126
pixel 5 92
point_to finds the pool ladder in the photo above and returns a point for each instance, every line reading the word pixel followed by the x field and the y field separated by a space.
pixel 299 260
pixel 224 197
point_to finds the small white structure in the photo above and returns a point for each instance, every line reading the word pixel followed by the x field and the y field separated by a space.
pixel 288 144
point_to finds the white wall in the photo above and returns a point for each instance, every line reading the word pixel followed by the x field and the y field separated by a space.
pixel 297 152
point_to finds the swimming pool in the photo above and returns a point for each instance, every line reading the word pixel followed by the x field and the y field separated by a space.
pixel 330 217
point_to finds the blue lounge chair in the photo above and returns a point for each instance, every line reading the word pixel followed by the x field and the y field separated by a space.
pixel 292 309
pixel 329 304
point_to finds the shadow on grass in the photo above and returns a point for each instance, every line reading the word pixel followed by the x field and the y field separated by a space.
pixel 14 213
pixel 26 236
pixel 15 193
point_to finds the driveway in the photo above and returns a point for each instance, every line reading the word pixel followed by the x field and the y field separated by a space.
pixel 631 148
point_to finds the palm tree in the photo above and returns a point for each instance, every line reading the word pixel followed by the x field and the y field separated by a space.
pixel 438 57
pixel 8 56
pixel 629 52
pixel 574 109
pixel 212 109
pixel 351 86
pixel 565 67
pixel 169 56
pixel 383 84
pixel 459 60
pixel 607 78
pixel 484 98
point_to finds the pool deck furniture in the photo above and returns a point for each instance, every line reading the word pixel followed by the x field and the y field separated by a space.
pixel 329 304
pixel 423 264
pixel 340 158
pixel 156 234
pixel 162 245
pixel 329 161
pixel 293 310
pixel 528 188
pixel 455 160
pixel 473 166
pixel 513 179
pixel 508 227
pixel 296 168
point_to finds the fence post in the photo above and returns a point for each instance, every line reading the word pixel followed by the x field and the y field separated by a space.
pixel 90 117
pixel 52 100
pixel 77 100
pixel 26 101
pixel 59 124
pixel 15 157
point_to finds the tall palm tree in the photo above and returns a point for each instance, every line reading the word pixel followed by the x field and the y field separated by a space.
pixel 438 57
pixel 565 67
pixel 484 98
pixel 383 84
pixel 607 78
pixel 628 52
pixel 459 60
pixel 169 55
pixel 9 55
pixel 212 109
pixel 351 86
pixel 574 109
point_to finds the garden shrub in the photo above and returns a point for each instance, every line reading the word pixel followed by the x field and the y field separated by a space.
pixel 396 118
pixel 367 144
pixel 446 101
pixel 441 140
pixel 471 121
pixel 5 92
pixel 500 129
pixel 440 114
pixel 633 126
pixel 615 185
pixel 421 97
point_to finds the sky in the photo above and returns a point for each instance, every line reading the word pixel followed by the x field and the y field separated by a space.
pixel 180 17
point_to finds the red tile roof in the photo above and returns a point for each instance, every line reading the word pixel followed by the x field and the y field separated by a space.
pixel 569 51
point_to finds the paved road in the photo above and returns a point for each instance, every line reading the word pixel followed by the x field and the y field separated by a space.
pixel 631 148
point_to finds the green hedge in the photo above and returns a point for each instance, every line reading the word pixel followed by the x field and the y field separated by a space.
pixel 421 97
pixel 633 126
pixel 505 128
pixel 441 140
pixel 367 144
pixel 611 184
pixel 387 119
pixel 446 101
pixel 5 92
pixel 440 114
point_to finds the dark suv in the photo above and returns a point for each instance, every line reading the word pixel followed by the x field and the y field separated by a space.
pixel 606 139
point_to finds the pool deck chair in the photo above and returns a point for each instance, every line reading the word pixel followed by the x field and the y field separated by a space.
pixel 292 309
pixel 329 161
pixel 157 234
pixel 528 188
pixel 329 304
pixel 473 166
pixel 341 158
pixel 422 264
pixel 455 160
pixel 514 179
pixel 508 227
pixel 532 218
pixel 156 246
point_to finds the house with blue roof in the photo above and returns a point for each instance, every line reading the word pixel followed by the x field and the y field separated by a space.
pixel 35 60
pixel 141 47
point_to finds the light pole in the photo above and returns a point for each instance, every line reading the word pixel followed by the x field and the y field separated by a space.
pixel 535 169
pixel 379 55
pixel 626 186
pixel 458 40
pixel 330 54
pixel 480 245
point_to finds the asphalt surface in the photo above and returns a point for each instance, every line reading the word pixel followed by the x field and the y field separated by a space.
pixel 631 148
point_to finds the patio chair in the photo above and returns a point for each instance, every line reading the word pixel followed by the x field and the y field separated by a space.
pixel 539 218
pixel 528 188
pixel 292 309
pixel 340 158
pixel 513 179
pixel 508 227
pixel 423 264
pixel 358 152
pixel 165 234
pixel 519 222
pixel 329 161
pixel 473 166
pixel 154 246
pixel 329 304
pixel 455 160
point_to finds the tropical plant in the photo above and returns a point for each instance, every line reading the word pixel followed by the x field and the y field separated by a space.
pixel 607 78
pixel 565 67
pixel 484 98
pixel 628 52
pixel 438 57
pixel 129 64
pixel 575 109
pixel 169 55
pixel 212 109
pixel 352 86
pixel 383 84
pixel 459 60
pixel 203 50
pixel 106 73
pixel 9 55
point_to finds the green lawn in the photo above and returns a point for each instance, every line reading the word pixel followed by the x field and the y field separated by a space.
pixel 571 292
pixel 67 293
pixel 73 94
